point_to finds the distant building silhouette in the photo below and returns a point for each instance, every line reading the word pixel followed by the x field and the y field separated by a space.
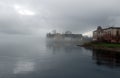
pixel 66 36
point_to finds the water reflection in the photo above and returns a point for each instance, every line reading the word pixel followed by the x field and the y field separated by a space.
pixel 100 57
pixel 23 67
pixel 106 58
pixel 62 46
pixel 36 58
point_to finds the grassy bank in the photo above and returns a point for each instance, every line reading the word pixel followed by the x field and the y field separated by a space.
pixel 103 45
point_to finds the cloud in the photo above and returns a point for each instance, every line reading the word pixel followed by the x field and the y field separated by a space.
pixel 78 16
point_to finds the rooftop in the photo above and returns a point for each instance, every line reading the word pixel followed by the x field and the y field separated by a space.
pixel 109 28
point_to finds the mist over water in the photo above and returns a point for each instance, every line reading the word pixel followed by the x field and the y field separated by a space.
pixel 35 57
pixel 26 53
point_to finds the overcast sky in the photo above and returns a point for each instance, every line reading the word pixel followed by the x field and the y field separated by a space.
pixel 28 17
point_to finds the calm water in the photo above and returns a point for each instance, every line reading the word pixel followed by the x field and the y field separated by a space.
pixel 30 57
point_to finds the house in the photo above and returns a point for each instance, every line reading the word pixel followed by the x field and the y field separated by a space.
pixel 111 34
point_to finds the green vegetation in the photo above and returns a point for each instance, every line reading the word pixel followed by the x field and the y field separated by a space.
pixel 102 45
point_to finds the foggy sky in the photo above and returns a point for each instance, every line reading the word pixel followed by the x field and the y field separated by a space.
pixel 37 17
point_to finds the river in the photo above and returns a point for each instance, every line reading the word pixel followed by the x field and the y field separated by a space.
pixel 34 57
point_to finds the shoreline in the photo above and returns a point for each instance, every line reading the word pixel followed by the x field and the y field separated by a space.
pixel 101 46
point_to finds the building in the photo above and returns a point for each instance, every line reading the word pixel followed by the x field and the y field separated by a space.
pixel 111 34
pixel 66 36
pixel 72 36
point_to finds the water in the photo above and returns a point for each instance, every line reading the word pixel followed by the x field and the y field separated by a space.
pixel 33 57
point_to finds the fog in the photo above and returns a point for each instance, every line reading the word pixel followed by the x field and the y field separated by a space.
pixel 25 53
pixel 37 17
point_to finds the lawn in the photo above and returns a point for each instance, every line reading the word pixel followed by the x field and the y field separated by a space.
pixel 102 44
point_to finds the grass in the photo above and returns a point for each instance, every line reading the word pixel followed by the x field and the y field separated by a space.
pixel 102 44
